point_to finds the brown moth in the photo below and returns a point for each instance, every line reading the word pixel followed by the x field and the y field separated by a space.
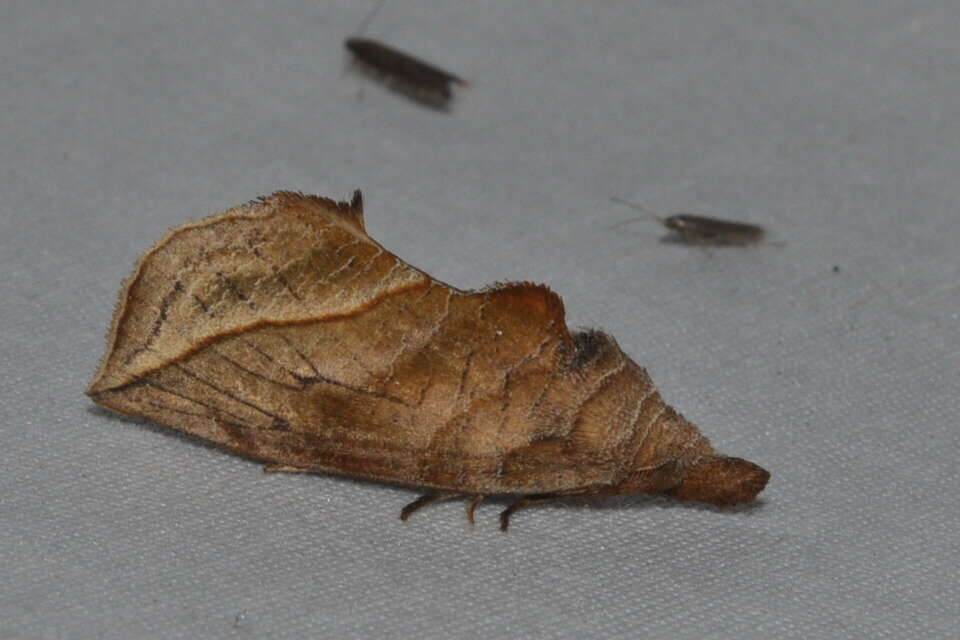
pixel 281 331
pixel 697 229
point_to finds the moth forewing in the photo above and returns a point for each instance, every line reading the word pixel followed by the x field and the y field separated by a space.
pixel 696 227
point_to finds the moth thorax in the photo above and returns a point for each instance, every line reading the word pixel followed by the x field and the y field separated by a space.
pixel 676 222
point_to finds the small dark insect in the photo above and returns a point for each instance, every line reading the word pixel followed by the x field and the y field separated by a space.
pixel 691 228
pixel 412 76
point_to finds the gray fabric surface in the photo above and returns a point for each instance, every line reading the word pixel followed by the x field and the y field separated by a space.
pixel 835 123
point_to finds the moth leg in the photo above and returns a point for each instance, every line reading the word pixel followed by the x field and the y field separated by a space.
pixel 520 503
pixel 472 507
pixel 424 500
pixel 284 468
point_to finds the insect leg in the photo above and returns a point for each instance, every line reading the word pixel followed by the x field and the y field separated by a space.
pixel 520 503
pixel 424 500
pixel 472 507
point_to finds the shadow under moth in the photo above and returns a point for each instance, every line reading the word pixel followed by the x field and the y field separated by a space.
pixel 281 331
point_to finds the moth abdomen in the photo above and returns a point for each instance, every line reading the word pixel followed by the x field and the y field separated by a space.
pixel 722 481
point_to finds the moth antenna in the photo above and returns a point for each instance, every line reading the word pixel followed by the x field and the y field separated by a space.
pixel 634 205
pixel 370 14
